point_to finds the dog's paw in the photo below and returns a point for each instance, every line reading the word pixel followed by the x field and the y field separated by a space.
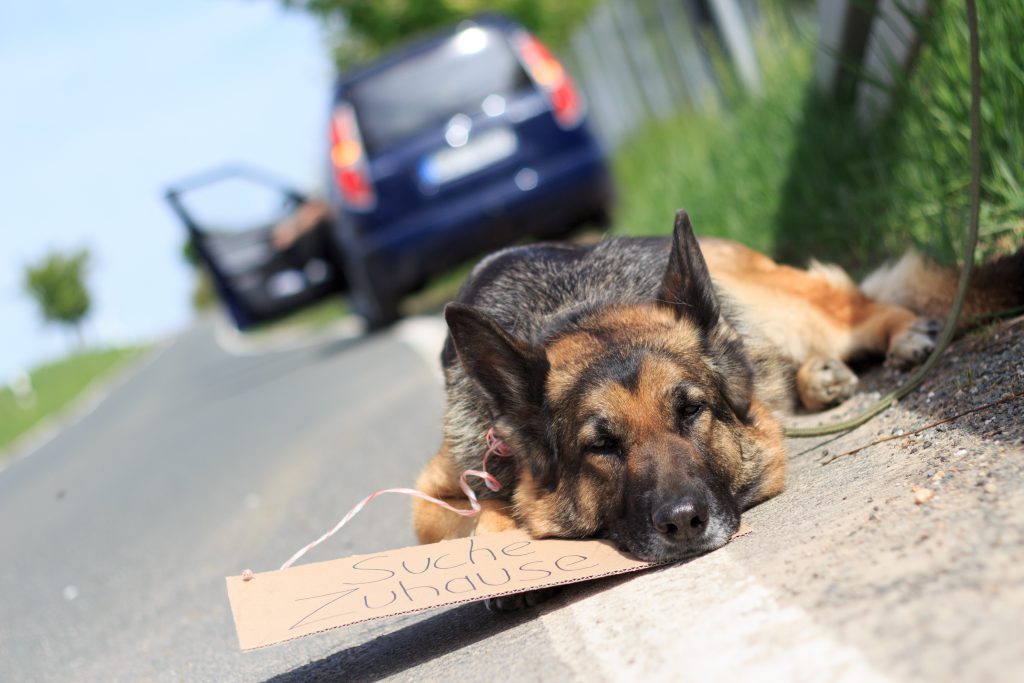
pixel 912 345
pixel 518 601
pixel 822 382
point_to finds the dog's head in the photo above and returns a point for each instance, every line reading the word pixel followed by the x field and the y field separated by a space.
pixel 636 422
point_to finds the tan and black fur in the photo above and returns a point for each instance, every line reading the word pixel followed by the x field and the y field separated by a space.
pixel 638 384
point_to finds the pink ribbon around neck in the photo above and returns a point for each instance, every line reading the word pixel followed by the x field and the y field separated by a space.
pixel 495 446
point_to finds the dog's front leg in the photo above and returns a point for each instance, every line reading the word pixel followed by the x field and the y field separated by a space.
pixel 431 523
pixel 823 382
pixel 494 516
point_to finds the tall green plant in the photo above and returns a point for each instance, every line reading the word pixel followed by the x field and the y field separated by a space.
pixel 57 283
pixel 798 175
pixel 904 180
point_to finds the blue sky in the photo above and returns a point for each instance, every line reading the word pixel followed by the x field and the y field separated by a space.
pixel 106 102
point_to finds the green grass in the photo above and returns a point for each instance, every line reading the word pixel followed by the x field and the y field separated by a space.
pixel 56 386
pixel 312 318
pixel 322 314
pixel 439 291
pixel 792 172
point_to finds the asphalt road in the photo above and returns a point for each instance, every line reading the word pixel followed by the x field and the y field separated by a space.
pixel 116 535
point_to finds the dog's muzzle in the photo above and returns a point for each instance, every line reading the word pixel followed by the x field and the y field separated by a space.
pixel 683 521
pixel 677 525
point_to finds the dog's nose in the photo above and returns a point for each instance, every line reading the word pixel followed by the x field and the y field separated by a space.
pixel 684 519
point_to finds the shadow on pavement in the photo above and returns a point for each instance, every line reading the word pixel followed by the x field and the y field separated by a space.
pixel 330 348
pixel 407 647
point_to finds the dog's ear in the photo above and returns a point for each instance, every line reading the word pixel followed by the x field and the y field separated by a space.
pixel 686 286
pixel 687 289
pixel 734 370
pixel 511 372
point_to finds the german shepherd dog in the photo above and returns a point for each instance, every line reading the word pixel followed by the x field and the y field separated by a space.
pixel 637 383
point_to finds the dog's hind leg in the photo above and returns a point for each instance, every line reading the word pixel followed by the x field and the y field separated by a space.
pixel 914 342
pixel 901 335
pixel 818 312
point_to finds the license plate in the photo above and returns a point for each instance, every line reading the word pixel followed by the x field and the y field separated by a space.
pixel 481 151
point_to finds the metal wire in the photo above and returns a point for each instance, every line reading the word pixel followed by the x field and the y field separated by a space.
pixel 965 273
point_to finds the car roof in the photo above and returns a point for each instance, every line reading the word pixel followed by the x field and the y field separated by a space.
pixel 417 46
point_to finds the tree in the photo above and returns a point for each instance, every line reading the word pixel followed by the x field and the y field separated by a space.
pixel 360 29
pixel 57 283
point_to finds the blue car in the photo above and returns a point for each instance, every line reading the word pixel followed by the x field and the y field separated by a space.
pixel 470 140
pixel 446 149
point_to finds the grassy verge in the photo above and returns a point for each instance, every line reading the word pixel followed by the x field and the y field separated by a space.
pixel 795 174
pixel 312 318
pixel 321 315
pixel 437 292
pixel 56 385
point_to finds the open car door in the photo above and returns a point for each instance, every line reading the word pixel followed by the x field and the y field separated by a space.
pixel 267 247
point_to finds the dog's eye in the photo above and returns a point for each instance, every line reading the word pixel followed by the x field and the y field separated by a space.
pixel 605 445
pixel 688 411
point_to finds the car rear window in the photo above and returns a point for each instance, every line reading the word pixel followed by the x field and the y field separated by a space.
pixel 428 89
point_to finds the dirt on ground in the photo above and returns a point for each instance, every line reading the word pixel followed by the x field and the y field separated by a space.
pixel 915 552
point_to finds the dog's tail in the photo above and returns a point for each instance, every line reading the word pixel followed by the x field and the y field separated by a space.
pixel 914 282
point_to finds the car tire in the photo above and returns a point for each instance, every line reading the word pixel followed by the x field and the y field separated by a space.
pixel 377 308
pixel 602 219
pixel 377 311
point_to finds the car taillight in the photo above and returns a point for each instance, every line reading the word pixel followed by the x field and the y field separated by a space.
pixel 348 160
pixel 548 73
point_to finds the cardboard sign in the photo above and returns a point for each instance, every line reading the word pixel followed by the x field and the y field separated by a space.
pixel 276 606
